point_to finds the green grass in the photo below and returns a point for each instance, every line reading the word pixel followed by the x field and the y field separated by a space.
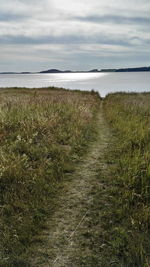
pixel 129 116
pixel 42 134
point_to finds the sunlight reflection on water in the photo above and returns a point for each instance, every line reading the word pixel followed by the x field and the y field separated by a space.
pixel 104 83
pixel 68 77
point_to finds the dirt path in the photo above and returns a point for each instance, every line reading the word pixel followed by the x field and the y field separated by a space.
pixel 69 238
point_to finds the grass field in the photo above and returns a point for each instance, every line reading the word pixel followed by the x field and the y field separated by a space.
pixel 42 134
pixel 129 116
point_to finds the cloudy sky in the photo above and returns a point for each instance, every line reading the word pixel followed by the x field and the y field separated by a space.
pixel 73 34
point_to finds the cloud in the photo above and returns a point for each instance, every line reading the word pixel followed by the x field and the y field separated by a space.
pixel 114 19
pixel 69 32
pixel 7 17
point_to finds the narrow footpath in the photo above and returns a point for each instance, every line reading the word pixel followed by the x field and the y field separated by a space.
pixel 72 232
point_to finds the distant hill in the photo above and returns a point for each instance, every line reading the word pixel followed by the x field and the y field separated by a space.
pixel 55 71
pixel 9 73
pixel 93 70
pixel 102 70
pixel 133 69
pixel 16 72
pixel 51 71
pixel 66 71
pixel 108 70
pixel 127 69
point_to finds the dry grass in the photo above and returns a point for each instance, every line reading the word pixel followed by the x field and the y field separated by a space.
pixel 42 133
pixel 129 115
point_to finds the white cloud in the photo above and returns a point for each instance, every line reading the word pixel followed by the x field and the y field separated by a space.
pixel 54 31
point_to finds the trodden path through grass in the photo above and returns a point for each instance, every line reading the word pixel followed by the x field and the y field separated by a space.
pixel 70 238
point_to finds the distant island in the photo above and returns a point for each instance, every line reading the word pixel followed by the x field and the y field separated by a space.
pixel 96 70
pixel 91 71
pixel 133 69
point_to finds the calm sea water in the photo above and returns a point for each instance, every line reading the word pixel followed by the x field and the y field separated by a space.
pixel 104 83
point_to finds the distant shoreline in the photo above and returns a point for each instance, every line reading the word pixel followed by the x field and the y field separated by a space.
pixel 56 71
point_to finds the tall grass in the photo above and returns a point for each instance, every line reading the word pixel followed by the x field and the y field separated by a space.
pixel 42 133
pixel 129 115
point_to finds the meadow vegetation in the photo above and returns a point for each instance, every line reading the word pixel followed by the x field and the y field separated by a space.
pixel 128 223
pixel 42 134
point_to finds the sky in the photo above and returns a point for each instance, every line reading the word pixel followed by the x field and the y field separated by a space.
pixel 74 34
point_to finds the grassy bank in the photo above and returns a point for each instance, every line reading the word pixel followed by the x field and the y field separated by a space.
pixel 129 226
pixel 42 134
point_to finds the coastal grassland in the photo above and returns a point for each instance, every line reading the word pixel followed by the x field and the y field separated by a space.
pixel 128 223
pixel 42 134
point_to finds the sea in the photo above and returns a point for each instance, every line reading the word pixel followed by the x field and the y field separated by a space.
pixel 104 83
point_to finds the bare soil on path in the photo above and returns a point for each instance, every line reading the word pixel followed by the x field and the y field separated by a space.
pixel 69 239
